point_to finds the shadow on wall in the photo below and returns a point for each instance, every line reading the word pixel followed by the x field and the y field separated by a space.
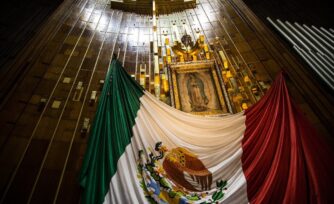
pixel 318 13
pixel 19 21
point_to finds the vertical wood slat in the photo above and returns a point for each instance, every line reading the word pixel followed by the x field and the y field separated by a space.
pixel 63 161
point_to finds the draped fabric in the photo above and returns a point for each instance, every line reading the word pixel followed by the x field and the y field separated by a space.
pixel 111 132
pixel 284 160
pixel 143 151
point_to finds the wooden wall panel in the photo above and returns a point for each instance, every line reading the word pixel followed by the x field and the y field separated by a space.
pixel 41 148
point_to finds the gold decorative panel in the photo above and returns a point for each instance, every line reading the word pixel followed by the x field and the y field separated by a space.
pixel 197 89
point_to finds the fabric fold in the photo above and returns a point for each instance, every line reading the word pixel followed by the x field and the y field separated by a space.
pixel 143 151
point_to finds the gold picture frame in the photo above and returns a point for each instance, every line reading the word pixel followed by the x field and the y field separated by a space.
pixel 196 88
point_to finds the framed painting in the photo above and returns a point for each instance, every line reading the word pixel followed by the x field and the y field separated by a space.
pixel 196 88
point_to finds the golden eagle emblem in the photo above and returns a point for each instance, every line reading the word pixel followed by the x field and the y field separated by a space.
pixel 185 169
pixel 177 176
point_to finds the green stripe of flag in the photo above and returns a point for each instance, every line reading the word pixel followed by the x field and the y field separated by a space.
pixel 111 132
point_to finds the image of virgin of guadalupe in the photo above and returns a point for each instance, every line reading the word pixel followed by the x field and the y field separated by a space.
pixel 197 98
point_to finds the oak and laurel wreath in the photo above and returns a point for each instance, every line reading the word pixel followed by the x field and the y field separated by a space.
pixel 150 166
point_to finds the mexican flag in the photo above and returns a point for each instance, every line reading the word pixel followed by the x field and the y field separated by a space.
pixel 141 150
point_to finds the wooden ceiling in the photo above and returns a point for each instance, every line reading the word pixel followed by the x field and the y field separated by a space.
pixel 145 6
